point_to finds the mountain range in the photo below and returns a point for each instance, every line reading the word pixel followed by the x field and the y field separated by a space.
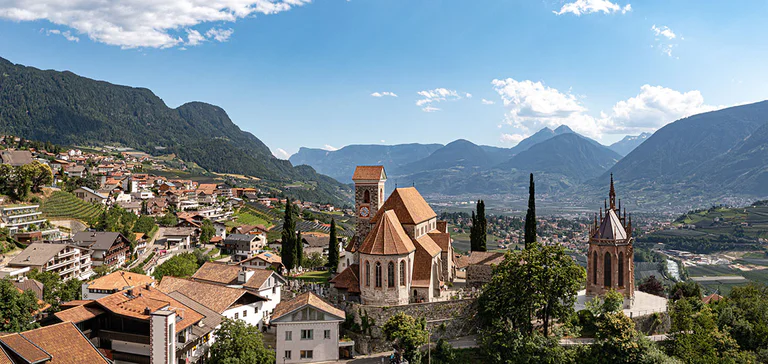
pixel 64 108
pixel 629 143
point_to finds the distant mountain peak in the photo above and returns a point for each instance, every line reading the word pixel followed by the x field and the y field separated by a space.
pixel 562 129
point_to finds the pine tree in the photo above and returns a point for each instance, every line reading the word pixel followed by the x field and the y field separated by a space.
pixel 299 249
pixel 482 228
pixel 287 253
pixel 530 217
pixel 333 248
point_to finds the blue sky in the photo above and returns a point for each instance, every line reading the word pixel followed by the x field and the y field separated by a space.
pixel 298 73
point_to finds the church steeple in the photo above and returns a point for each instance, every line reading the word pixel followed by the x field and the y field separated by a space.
pixel 612 195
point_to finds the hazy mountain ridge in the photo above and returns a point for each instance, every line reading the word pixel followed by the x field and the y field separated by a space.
pixel 629 143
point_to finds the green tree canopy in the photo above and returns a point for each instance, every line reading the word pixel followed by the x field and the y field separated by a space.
pixel 207 231
pixel 240 343
pixel 333 248
pixel 406 334
pixel 16 308
pixel 181 265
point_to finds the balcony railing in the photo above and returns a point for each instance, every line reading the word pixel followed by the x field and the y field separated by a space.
pixel 122 336
pixel 61 264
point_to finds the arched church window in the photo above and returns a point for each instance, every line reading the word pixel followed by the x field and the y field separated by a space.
pixel 391 274
pixel 381 195
pixel 378 275
pixel 594 268
pixel 607 270
pixel 367 273
pixel 367 196
pixel 621 269
pixel 402 273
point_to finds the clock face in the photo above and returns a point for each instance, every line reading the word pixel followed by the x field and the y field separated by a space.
pixel 364 211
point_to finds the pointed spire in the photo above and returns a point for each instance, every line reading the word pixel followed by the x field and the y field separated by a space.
pixel 612 194
pixel 619 205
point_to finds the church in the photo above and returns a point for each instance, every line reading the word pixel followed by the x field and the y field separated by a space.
pixel 401 253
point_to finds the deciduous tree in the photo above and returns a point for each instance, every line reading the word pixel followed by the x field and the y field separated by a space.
pixel 240 343
pixel 406 334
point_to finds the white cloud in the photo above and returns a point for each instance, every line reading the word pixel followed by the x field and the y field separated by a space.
pixel 438 95
pixel 532 105
pixel 487 102
pixel 280 153
pixel 66 34
pixel 663 31
pixel 330 148
pixel 194 37
pixel 512 138
pixel 580 7
pixel 385 93
pixel 139 23
pixel 219 35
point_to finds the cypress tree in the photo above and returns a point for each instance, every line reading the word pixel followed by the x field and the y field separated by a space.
pixel 299 249
pixel 530 217
pixel 289 229
pixel 473 244
pixel 333 248
pixel 482 228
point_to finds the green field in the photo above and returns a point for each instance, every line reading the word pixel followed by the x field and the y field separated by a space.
pixel 712 271
pixel 65 205
pixel 249 216
pixel 724 287
pixel 316 277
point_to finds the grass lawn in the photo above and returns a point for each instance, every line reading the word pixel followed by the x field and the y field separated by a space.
pixel 249 218
pixel 316 276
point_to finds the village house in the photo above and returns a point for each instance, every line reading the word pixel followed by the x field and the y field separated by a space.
pixel 265 283
pixel 179 237
pixel 88 195
pixel 243 246
pixel 307 329
pixel 114 282
pixel 16 157
pixel 60 343
pixel 264 260
pixel 143 325
pixel 479 267
pixel 107 248
pixel 66 260
pixel 230 302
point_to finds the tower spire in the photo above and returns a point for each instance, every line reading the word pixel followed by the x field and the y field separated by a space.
pixel 612 195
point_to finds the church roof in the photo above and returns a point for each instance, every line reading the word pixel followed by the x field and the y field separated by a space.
pixel 369 173
pixel 387 237
pixel 611 228
pixel 408 205
pixel 425 242
pixel 348 279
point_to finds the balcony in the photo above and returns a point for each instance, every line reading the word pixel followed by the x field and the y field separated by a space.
pixel 61 264
pixel 66 253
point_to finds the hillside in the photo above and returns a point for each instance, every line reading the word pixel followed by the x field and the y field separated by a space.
pixel 459 154
pixel 340 164
pixel 629 143
pixel 64 108
pixel 570 155
pixel 65 205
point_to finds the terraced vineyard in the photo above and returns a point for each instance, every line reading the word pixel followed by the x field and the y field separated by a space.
pixel 64 204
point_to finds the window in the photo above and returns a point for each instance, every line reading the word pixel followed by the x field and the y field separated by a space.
pixel 607 270
pixel 307 334
pixel 594 268
pixel 621 270
pixel 306 354
pixel 287 354
pixel 367 196
pixel 367 273
pixel 288 335
pixel 245 313
pixel 237 315
pixel 402 273
pixel 327 334
pixel 391 274
pixel 378 275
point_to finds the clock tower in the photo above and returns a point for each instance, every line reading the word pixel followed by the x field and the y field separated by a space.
pixel 369 196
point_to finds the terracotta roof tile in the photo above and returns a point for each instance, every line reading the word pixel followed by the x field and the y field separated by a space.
pixel 306 299
pixel 422 268
pixel 226 274
pixel 408 204
pixel 22 347
pixel 4 358
pixel 120 280
pixel 429 245
pixel 443 240
pixel 78 314
pixel 216 297
pixel 65 344
pixel 136 305
pixel 369 173
pixel 485 258
pixel 348 279
pixel 387 238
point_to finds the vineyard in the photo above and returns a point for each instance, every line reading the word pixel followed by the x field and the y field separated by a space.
pixel 64 204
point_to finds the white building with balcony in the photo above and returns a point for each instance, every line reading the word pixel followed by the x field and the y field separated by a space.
pixel 68 261
pixel 18 218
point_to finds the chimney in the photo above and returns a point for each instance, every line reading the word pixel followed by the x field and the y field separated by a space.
pixel 244 275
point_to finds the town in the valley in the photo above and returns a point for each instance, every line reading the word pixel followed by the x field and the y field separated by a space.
pixel 110 261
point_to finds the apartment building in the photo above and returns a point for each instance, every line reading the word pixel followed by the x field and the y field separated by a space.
pixel 67 260
pixel 307 330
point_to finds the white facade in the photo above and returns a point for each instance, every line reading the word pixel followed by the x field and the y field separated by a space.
pixel 307 335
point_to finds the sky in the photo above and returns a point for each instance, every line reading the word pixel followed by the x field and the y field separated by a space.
pixel 329 73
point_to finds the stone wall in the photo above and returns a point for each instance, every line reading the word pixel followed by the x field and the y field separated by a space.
pixel 653 324
pixel 446 320
pixel 478 275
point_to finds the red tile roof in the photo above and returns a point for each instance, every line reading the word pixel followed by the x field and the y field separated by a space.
pixel 65 344
pixel 348 279
pixel 306 299
pixel 408 204
pixel 387 238
pixel 369 173
pixel 142 301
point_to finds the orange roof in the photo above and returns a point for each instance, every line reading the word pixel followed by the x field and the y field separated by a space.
pixel 23 348
pixel 64 344
pixel 306 299
pixel 222 273
pixel 387 237
pixel 443 240
pixel 425 242
pixel 78 314
pixel 369 173
pixel 712 298
pixel 216 297
pixel 4 358
pixel 144 301
pixel 426 250
pixel 120 280
pixel 348 279
pixel 409 206
pixel 269 257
